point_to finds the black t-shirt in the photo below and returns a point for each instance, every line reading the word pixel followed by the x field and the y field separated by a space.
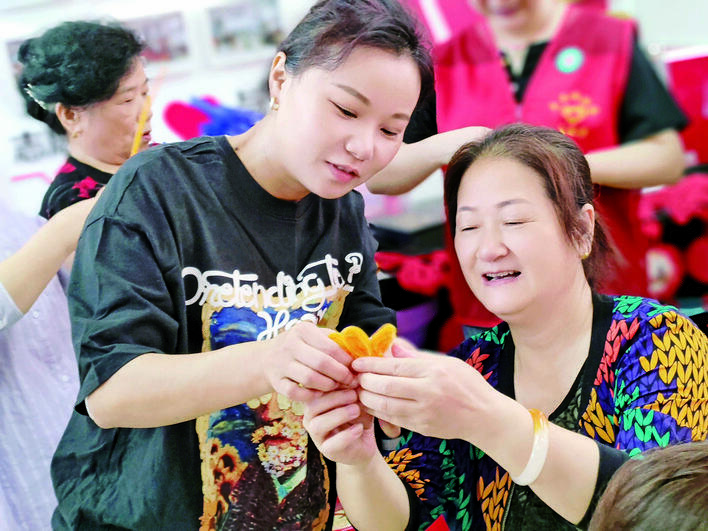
pixel 74 182
pixel 647 107
pixel 186 252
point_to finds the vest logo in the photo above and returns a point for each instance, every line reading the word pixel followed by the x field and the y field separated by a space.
pixel 569 59
pixel 573 109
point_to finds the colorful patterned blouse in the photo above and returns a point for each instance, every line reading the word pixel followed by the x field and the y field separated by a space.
pixel 644 384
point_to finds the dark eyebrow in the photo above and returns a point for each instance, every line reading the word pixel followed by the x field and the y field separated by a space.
pixel 358 95
pixel 501 204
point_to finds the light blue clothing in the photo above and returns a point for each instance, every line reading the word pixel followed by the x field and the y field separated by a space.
pixel 38 386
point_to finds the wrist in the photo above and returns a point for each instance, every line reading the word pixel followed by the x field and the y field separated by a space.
pixel 504 431
pixel 539 450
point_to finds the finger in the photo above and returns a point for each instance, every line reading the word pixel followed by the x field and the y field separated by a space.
pixel 391 386
pixel 340 442
pixel 328 401
pixel 392 410
pixel 335 419
pixel 325 362
pixel 390 430
pixel 319 339
pixel 294 391
pixel 402 348
pixel 307 377
pixel 409 367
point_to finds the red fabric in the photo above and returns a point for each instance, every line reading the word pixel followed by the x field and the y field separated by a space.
pixel 424 274
pixel 697 259
pixel 473 88
pixel 439 524
pixel 444 18
pixel 688 82
pixel 184 119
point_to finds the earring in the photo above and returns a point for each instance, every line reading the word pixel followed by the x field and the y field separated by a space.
pixel 274 105
pixel 585 255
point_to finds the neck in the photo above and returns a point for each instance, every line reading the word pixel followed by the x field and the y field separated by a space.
pixel 257 152
pixel 541 26
pixel 80 155
pixel 537 337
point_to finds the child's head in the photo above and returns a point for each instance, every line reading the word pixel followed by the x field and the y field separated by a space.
pixel 666 488
pixel 344 85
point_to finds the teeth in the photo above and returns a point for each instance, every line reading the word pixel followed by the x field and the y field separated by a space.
pixel 342 168
pixel 494 276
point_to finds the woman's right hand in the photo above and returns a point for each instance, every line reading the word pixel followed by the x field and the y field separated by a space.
pixel 303 362
pixel 340 429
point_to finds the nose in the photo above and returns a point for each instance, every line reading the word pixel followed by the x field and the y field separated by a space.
pixel 491 245
pixel 361 145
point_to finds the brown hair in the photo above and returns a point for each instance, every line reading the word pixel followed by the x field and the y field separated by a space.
pixel 666 488
pixel 561 166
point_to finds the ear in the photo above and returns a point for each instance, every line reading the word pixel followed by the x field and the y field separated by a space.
pixel 587 219
pixel 70 119
pixel 277 76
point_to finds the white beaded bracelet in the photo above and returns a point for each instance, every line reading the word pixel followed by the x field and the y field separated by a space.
pixel 539 451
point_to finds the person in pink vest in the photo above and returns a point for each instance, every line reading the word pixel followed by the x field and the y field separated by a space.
pixel 552 63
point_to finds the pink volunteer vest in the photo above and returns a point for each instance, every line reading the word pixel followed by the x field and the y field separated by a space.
pixel 576 88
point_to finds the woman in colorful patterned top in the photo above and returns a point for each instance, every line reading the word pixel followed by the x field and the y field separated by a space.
pixel 86 80
pixel 614 375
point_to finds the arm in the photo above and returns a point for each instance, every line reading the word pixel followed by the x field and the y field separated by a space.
pixel 26 273
pixel 654 160
pixel 373 496
pixel 413 393
pixel 161 389
pixel 415 162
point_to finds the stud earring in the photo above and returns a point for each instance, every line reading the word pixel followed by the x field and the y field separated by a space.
pixel 585 255
pixel 274 105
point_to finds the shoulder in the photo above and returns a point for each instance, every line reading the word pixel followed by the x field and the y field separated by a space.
pixel 190 153
pixel 168 170
pixel 654 321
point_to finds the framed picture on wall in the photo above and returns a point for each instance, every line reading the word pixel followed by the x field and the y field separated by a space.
pixel 244 30
pixel 166 40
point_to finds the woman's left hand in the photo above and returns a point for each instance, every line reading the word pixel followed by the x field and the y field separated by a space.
pixel 435 395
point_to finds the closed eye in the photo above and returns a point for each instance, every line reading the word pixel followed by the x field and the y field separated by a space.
pixel 468 228
pixel 389 133
pixel 345 112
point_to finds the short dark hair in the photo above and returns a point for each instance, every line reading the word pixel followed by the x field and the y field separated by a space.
pixel 665 488
pixel 563 169
pixel 329 32
pixel 76 63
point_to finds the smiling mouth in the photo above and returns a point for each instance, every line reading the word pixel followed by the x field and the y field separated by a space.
pixel 347 169
pixel 501 275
